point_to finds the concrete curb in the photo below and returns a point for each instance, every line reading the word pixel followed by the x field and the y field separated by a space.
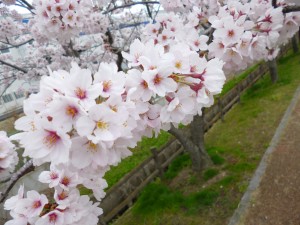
pixel 237 217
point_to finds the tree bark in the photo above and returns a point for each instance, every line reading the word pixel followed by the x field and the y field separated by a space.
pixel 273 70
pixel 295 44
pixel 189 146
pixel 197 137
pixel 194 144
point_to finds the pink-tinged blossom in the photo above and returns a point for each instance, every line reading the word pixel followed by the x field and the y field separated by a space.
pixel 136 50
pixel 61 176
pixel 230 33
pixel 178 58
pixel 49 144
pixel 8 154
pixel 54 217
pixel 79 85
pixel 111 80
pixel 139 87
pixel 11 203
pixel 84 153
pixel 101 124
pixel 51 177
pixel 32 205
pixel 159 81
pixel 179 105
pixel 65 111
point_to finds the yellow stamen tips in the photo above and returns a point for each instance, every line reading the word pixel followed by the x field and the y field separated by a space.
pixel 70 17
pixel 32 126
pixel 230 33
pixel 144 84
pixel 106 85
pixel 102 125
pixel 92 146
pixel 36 204
pixel 178 65
pixel 71 111
pixel 62 195
pixel 51 139
pixel 157 79
pixel 65 181
pixel 81 94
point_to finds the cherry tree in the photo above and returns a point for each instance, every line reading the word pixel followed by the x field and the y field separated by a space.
pixel 88 112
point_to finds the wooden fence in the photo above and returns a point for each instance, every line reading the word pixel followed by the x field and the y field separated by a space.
pixel 122 195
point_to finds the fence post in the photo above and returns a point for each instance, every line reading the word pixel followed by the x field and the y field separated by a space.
pixel 221 109
pixel 156 160
pixel 238 87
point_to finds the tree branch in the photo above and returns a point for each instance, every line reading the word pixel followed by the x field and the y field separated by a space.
pixel 13 66
pixel 26 168
pixel 131 4
pixel 29 6
pixel 292 8
pixel 16 46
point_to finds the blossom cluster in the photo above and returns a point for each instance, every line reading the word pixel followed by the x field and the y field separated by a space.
pixel 70 208
pixel 243 31
pixel 8 28
pixel 83 121
pixel 63 20
pixel 8 155
pixel 83 124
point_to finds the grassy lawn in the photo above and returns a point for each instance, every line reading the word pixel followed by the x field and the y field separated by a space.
pixel 236 146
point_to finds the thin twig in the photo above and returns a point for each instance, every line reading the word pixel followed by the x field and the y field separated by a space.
pixel 13 66
pixel 26 168
pixel 131 4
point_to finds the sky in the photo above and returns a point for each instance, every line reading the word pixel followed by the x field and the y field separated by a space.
pixel 20 9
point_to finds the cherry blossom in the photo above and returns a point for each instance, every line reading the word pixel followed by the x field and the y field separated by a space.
pixel 8 155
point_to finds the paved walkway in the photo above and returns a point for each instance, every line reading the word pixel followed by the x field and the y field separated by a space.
pixel 273 196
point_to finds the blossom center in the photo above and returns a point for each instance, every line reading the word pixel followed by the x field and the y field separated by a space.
pixel 106 85
pixel 92 146
pixel 71 111
pixel 36 204
pixel 157 79
pixel 144 84
pixel 52 217
pixel 178 65
pixel 63 195
pixel 51 139
pixel 230 33
pixel 65 181
pixel 102 125
pixel 81 94
pixel 53 175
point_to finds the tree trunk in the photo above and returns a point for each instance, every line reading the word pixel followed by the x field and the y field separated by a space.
pixel 197 137
pixel 194 143
pixel 189 146
pixel 273 70
pixel 295 44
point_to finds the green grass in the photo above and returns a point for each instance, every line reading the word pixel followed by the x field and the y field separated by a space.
pixel 236 79
pixel 210 173
pixel 156 198
pixel 177 165
pixel 236 147
pixel 140 153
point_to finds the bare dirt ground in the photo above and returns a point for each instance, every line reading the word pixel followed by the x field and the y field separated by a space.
pixel 277 199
